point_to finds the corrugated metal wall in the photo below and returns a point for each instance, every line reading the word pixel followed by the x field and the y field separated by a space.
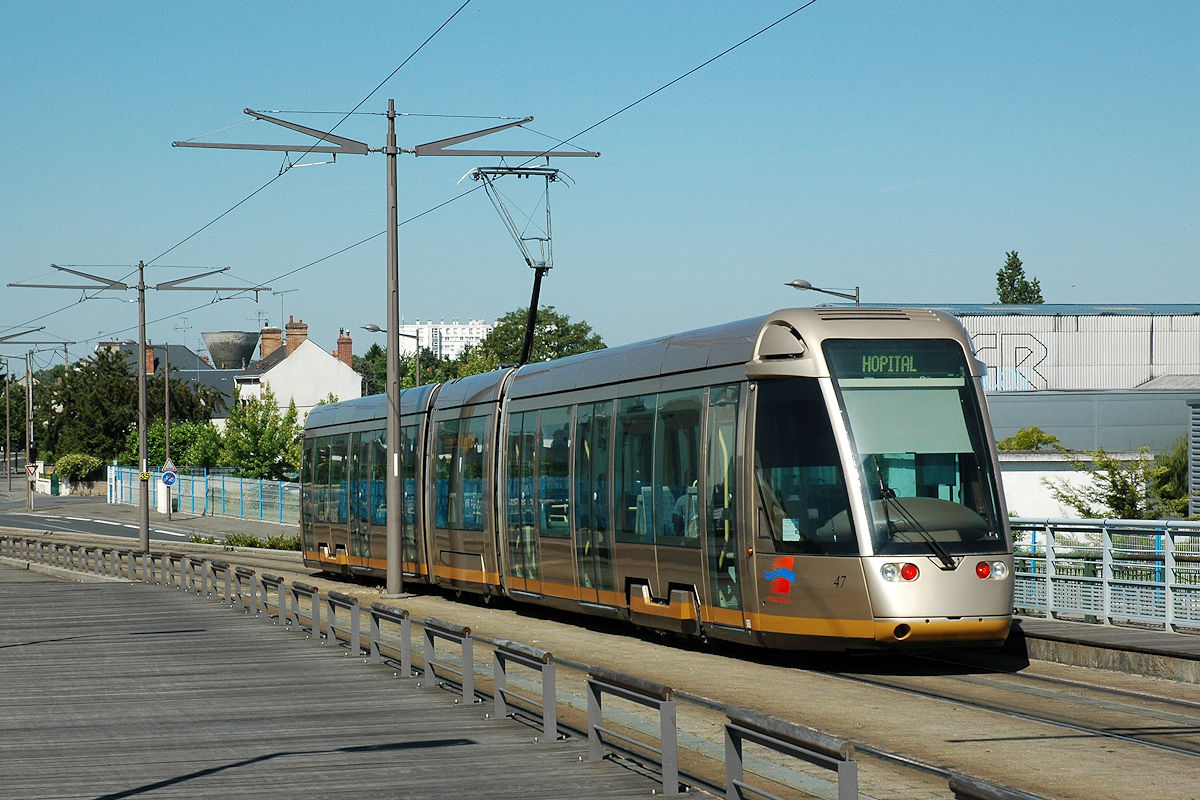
pixel 1031 352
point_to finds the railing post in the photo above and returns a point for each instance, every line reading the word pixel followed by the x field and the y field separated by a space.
pixel 1051 544
pixel 437 629
pixel 1106 571
pixel 1169 577
pixel 398 615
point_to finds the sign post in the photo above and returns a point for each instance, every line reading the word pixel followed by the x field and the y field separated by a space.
pixel 31 470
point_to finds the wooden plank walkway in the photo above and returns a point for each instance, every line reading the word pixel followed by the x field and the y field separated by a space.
pixel 116 690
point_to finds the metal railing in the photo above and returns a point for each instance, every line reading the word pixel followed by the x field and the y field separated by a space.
pixel 1109 571
pixel 215 494
pixel 241 588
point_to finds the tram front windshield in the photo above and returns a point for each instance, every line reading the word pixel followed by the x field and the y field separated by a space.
pixel 917 431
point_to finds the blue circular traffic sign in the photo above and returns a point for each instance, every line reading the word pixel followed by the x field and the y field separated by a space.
pixel 169 476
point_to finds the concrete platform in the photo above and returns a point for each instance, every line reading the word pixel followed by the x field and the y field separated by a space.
pixel 118 690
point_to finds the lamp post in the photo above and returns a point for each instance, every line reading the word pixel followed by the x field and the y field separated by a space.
pixel 804 285
pixel 373 328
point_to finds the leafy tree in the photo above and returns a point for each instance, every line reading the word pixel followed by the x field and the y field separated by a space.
pixel 1013 287
pixel 555 336
pixel 260 442
pixel 372 366
pixel 97 399
pixel 1118 488
pixel 1033 438
pixel 185 437
pixel 1171 482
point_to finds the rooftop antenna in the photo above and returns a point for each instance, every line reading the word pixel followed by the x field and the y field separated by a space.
pixel 540 239
pixel 281 293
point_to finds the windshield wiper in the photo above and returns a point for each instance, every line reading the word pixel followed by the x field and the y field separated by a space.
pixel 888 497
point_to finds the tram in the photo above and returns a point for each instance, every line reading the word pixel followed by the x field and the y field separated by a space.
pixel 817 478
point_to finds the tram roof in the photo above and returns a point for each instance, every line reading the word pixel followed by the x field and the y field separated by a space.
pixel 716 346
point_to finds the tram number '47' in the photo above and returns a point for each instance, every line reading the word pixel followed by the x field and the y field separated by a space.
pixel 839 581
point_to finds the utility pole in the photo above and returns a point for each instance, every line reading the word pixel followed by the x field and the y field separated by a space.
pixel 29 459
pixel 8 465
pixel 141 287
pixel 167 418
pixel 340 144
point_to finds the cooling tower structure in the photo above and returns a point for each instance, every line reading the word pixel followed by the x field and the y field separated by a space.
pixel 230 349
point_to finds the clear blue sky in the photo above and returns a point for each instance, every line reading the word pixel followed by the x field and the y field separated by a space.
pixel 901 147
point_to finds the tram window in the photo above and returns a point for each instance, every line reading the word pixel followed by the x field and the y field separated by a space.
pixel 339 467
pixel 633 459
pixel 720 480
pixel 459 474
pixel 554 464
pixel 677 468
pixel 800 485
pixel 521 457
pixel 307 481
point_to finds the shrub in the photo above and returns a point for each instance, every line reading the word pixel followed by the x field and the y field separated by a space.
pixel 76 466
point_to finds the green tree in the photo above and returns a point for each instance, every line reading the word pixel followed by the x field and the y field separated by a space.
pixel 184 437
pixel 555 336
pixel 1033 438
pixel 1118 488
pixel 1012 286
pixel 372 366
pixel 97 399
pixel 1171 481
pixel 259 441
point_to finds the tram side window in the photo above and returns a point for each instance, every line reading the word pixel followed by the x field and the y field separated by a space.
pixel 307 480
pixel 804 505
pixel 339 469
pixel 521 457
pixel 677 468
pixel 633 459
pixel 459 474
pixel 408 471
pixel 554 464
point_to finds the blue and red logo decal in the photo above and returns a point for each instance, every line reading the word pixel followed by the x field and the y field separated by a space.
pixel 780 578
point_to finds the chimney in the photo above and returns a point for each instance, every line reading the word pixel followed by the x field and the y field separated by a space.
pixel 149 358
pixel 295 334
pixel 345 348
pixel 270 341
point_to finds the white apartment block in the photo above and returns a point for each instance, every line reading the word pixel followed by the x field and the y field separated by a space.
pixel 446 339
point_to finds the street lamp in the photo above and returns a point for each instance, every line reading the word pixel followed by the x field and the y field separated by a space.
pixel 804 285
pixel 373 328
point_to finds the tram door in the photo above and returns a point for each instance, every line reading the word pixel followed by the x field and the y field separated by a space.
pixel 520 459
pixel 359 489
pixel 721 490
pixel 593 538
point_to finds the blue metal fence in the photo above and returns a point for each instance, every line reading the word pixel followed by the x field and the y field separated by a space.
pixel 1109 571
pixel 217 494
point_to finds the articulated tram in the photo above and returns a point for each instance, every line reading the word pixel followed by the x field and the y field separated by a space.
pixel 813 479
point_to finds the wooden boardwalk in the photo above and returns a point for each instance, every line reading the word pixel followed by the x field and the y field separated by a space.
pixel 117 690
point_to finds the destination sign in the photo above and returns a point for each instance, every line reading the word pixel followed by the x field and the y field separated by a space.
pixel 893 358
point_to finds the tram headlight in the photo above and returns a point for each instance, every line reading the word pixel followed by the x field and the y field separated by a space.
pixel 899 572
pixel 999 570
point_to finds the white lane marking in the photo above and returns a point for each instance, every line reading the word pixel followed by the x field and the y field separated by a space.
pixel 127 525
pixel 79 519
pixel 105 522
pixel 170 533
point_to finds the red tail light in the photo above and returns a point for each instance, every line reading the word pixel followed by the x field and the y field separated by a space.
pixel 983 569
pixel 909 572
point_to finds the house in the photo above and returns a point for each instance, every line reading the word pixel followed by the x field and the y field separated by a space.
pixel 297 369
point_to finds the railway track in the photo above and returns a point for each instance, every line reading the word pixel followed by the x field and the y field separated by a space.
pixel 1048 730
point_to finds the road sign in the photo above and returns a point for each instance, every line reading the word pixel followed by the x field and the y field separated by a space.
pixel 169 466
pixel 31 469
pixel 169 476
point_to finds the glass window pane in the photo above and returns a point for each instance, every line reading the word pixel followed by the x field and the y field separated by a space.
pixel 554 463
pixel 804 505
pixel 720 480
pixel 677 461
pixel 633 457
